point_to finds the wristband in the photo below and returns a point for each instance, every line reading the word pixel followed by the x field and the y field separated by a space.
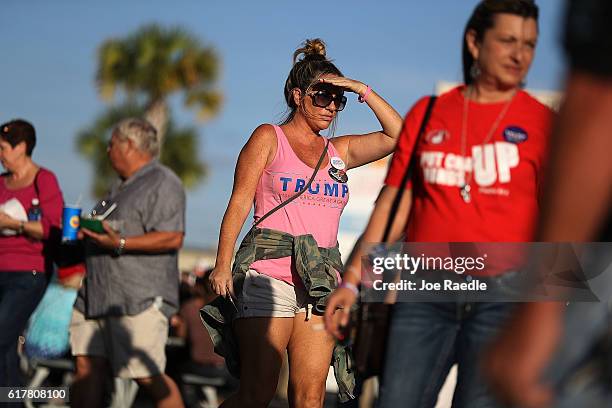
pixel 21 228
pixel 351 287
pixel 362 98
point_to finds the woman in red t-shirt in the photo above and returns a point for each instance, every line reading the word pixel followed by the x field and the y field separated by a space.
pixel 22 232
pixel 476 178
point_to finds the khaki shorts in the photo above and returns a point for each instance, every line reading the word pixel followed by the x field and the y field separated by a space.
pixel 135 345
pixel 264 296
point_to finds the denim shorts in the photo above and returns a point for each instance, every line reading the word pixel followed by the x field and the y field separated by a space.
pixel 265 296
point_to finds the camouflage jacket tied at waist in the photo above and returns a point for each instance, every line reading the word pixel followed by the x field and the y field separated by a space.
pixel 316 267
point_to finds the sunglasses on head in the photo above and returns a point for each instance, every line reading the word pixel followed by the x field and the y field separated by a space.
pixel 322 99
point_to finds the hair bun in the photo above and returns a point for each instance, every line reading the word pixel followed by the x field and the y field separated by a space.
pixel 311 49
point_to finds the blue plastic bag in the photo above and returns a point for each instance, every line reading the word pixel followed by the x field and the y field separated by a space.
pixel 47 334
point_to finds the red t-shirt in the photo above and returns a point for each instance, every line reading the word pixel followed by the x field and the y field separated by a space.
pixel 505 184
pixel 20 253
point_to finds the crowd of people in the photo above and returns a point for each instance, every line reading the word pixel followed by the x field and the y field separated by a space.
pixel 483 162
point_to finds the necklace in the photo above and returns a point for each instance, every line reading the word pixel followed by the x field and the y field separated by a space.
pixel 465 189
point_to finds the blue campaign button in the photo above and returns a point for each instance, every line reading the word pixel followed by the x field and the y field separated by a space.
pixel 515 134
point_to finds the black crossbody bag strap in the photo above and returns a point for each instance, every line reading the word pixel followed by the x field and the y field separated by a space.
pixel 306 187
pixel 409 169
pixel 373 319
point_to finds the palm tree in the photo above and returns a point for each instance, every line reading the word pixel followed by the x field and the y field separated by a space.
pixel 147 67
pixel 179 153
pixel 153 63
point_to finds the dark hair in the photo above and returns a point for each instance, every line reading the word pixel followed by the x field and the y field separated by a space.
pixel 483 18
pixel 312 65
pixel 17 131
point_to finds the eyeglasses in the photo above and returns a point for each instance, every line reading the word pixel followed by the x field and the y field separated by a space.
pixel 322 99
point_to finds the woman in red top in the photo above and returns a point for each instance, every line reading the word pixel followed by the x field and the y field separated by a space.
pixel 22 233
pixel 476 178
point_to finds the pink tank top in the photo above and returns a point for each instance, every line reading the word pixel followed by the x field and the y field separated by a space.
pixel 316 212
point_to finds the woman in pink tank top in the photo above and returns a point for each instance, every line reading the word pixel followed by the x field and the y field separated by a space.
pixel 276 163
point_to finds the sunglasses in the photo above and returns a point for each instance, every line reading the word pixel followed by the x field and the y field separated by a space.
pixel 322 99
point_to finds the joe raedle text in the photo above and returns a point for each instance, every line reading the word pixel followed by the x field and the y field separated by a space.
pixel 423 285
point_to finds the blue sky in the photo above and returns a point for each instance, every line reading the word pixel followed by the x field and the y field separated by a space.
pixel 400 48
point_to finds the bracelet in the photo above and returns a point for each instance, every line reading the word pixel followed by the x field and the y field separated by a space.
pixel 121 247
pixel 351 287
pixel 362 98
pixel 21 229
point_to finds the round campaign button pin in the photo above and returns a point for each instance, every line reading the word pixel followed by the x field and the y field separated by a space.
pixel 338 175
pixel 515 134
pixel 337 163
pixel 437 136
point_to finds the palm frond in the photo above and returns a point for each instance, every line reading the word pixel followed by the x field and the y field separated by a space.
pixel 206 102
pixel 156 62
